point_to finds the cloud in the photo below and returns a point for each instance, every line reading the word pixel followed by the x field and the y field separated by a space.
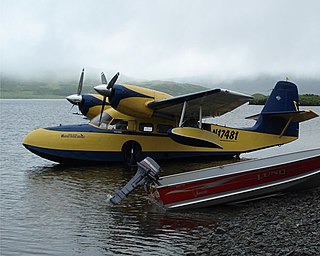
pixel 159 39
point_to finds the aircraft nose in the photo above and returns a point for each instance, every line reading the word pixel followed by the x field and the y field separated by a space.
pixel 32 138
pixel 74 99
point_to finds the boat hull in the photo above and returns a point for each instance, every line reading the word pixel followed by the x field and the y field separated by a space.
pixel 241 181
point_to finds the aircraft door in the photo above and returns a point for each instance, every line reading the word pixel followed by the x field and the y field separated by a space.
pixel 131 152
pixel 132 125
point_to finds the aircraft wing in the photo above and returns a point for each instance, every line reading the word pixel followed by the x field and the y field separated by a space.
pixel 214 102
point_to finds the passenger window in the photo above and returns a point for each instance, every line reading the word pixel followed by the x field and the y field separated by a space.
pixel 146 127
pixel 163 128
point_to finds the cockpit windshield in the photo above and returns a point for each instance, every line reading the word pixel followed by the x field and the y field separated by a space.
pixel 105 120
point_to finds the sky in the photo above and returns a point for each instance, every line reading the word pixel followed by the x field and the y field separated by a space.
pixel 157 39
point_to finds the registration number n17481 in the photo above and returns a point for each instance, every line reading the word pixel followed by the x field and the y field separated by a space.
pixel 226 134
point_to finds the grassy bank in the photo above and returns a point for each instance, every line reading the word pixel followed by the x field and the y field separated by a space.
pixel 305 99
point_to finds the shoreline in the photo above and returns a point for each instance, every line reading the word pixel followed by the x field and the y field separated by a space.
pixel 283 225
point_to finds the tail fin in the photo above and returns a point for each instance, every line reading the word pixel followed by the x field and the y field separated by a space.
pixel 276 115
pixel 284 97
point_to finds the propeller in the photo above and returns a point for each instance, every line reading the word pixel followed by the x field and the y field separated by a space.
pixel 75 99
pixel 105 89
pixel 80 82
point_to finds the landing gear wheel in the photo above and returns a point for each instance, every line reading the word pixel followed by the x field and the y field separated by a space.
pixel 131 152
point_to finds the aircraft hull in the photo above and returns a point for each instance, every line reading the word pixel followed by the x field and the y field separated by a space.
pixel 92 145
pixel 74 156
pixel 87 143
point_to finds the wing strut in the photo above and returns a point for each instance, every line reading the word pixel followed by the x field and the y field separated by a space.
pixel 200 117
pixel 286 126
pixel 182 113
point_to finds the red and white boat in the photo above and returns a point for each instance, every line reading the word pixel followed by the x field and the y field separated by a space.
pixel 240 181
pixel 230 183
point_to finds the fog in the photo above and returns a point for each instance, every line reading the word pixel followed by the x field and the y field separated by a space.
pixel 162 39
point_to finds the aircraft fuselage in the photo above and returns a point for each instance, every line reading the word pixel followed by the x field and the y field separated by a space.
pixel 138 139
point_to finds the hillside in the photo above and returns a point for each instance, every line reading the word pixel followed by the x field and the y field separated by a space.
pixel 41 88
pixel 44 89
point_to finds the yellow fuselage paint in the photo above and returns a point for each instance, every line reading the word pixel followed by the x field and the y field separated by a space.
pixel 138 106
pixel 156 95
pixel 231 140
pixel 96 109
pixel 241 140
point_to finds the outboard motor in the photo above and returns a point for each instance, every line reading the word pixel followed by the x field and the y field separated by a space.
pixel 148 171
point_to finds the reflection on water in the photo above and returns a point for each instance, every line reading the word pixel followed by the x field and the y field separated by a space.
pixel 70 202
pixel 50 209
pixel 65 207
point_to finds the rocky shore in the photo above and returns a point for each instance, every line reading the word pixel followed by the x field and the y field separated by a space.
pixel 287 225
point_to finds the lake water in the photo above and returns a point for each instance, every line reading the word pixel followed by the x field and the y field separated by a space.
pixel 49 209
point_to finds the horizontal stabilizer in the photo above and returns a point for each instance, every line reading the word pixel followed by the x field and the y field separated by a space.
pixel 293 116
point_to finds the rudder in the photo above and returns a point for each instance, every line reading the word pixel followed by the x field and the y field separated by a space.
pixel 283 99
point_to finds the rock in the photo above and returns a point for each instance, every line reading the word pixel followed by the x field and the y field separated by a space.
pixel 259 232
pixel 220 231
pixel 287 225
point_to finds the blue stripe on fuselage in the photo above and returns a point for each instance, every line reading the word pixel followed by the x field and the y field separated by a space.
pixel 75 128
pixel 75 157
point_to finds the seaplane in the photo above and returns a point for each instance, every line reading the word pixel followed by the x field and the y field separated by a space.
pixel 128 123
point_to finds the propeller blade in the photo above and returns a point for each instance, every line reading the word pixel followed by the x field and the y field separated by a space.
pixel 103 78
pixel 80 82
pixel 102 108
pixel 71 108
pixel 113 81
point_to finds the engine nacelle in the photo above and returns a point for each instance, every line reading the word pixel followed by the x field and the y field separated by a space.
pixel 133 100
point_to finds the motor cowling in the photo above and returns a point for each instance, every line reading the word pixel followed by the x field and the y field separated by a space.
pixel 148 172
pixel 133 100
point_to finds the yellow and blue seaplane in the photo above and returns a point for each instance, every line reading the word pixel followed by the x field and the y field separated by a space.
pixel 128 123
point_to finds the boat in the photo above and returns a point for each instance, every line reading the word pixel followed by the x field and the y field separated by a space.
pixel 231 183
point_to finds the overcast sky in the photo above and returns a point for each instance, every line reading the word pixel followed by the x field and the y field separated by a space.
pixel 161 39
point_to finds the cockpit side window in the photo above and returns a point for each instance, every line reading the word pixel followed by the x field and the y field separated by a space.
pixel 118 124
pixel 105 120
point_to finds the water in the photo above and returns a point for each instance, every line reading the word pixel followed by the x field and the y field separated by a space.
pixel 49 209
